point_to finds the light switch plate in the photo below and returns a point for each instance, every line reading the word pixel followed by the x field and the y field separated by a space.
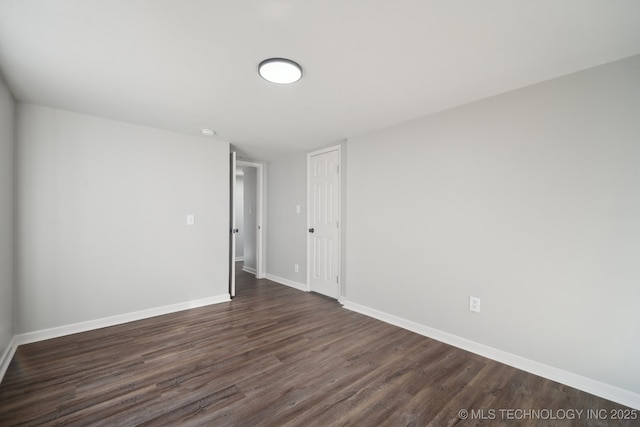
pixel 474 304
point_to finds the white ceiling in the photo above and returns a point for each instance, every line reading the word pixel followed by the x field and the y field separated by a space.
pixel 183 65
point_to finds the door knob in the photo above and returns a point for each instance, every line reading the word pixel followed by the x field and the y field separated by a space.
pixel 311 230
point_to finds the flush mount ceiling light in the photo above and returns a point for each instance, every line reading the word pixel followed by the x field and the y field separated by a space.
pixel 280 70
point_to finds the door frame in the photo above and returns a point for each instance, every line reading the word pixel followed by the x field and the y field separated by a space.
pixel 260 213
pixel 337 148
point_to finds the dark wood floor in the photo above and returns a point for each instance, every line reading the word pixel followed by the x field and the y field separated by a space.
pixel 275 356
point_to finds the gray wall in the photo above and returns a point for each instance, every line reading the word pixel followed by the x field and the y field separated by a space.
pixel 287 233
pixel 102 208
pixel 238 210
pixel 529 200
pixel 250 218
pixel 7 106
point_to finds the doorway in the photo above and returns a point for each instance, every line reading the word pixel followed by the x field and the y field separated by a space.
pixel 248 211
pixel 245 210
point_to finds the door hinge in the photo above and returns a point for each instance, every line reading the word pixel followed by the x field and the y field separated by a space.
pixel 337 168
pixel 337 279
pixel 337 224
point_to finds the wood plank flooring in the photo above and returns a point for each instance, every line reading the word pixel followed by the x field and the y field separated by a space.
pixel 275 356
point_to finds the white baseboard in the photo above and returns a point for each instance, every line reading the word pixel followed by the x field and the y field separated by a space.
pixel 90 325
pixel 597 388
pixel 249 269
pixel 287 282
pixel 7 355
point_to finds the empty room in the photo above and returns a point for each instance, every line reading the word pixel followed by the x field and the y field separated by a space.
pixel 355 212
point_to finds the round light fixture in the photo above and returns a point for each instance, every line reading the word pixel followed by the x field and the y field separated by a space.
pixel 280 70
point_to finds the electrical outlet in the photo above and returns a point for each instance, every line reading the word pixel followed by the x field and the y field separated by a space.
pixel 296 268
pixel 474 304
pixel 191 219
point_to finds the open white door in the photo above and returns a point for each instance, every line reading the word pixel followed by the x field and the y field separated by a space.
pixel 232 225
pixel 324 221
